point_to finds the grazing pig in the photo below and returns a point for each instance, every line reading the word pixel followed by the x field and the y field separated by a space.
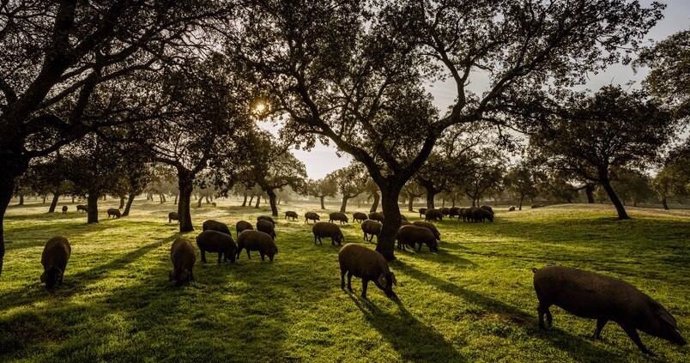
pixel 183 258
pixel 215 226
pixel 265 218
pixel 256 241
pixel 431 227
pixel 594 296
pixel 487 208
pixel 54 260
pixel 81 208
pixel 64 209
pixel 367 264
pixel 291 215
pixel 311 216
pixel 371 228
pixel 422 212
pixel 266 226
pixel 433 215
pixel 216 242
pixel 359 217
pixel 173 216
pixel 338 216
pixel 243 225
pixel 536 206
pixel 464 214
pixel 376 216
pixel 511 209
pixel 416 236
pixel 327 230
pixel 114 212
pixel 454 212
pixel 445 211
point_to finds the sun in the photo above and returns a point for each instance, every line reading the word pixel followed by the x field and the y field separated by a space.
pixel 260 108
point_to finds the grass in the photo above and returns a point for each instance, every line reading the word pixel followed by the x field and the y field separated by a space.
pixel 471 302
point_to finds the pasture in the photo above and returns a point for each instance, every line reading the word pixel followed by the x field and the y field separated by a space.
pixel 473 301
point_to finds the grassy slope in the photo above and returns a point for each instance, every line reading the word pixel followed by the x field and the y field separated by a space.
pixel 472 302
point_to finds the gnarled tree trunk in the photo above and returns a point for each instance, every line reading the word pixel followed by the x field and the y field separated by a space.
pixel 430 195
pixel 391 220
pixel 54 202
pixel 375 203
pixel 272 202
pixel 185 182
pixel 620 208
pixel 321 198
pixel 589 191
pixel 128 205
pixel 258 201
pixel 244 202
pixel 92 207
pixel 122 202
pixel 664 202
pixel 343 204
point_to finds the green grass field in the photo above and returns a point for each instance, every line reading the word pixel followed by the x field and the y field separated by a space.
pixel 473 301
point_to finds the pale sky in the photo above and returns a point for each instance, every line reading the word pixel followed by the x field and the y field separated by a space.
pixel 321 160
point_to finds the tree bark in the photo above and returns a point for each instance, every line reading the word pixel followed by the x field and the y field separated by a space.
pixel 589 191
pixel 176 197
pixel 244 202
pixel 122 202
pixel 54 202
pixel 272 202
pixel 21 199
pixel 258 201
pixel 198 202
pixel 391 221
pixel 44 196
pixel 522 199
pixel 92 207
pixel 620 208
pixel 375 203
pixel 321 198
pixel 251 198
pixel 7 184
pixel 430 195
pixel 128 206
pixel 185 182
pixel 343 204
pixel 664 202
pixel 410 203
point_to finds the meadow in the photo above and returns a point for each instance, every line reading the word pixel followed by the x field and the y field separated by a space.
pixel 473 301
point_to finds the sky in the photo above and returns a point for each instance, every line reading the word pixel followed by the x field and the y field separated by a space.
pixel 322 159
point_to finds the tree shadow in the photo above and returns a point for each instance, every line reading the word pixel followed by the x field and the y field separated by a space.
pixel 578 347
pixel 411 338
pixel 75 283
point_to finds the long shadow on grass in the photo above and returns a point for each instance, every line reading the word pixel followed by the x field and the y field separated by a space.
pixel 414 340
pixel 577 347
pixel 75 283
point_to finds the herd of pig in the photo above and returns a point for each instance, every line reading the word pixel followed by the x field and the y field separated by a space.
pixel 582 293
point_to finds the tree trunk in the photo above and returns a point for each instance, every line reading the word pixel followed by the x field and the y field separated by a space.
pixel 391 221
pixel 452 200
pixel 272 202
pixel 323 206
pixel 198 202
pixel 443 202
pixel 7 184
pixel 620 208
pixel 104 197
pixel 251 198
pixel 54 202
pixel 128 206
pixel 258 201
pixel 185 182
pixel 21 199
pixel 522 199
pixel 375 204
pixel 343 204
pixel 410 203
pixel 664 203
pixel 44 197
pixel 244 202
pixel 122 202
pixel 589 190
pixel 430 199
pixel 161 198
pixel 176 197
pixel 72 199
pixel 92 207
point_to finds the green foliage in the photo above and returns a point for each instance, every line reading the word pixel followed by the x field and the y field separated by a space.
pixel 473 301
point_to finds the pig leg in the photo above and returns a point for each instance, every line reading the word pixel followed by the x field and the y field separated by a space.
pixel 342 279
pixel 262 256
pixel 365 282
pixel 249 256
pixel 203 256
pixel 220 257
pixel 349 281
pixel 600 325
pixel 543 309
pixel 632 333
